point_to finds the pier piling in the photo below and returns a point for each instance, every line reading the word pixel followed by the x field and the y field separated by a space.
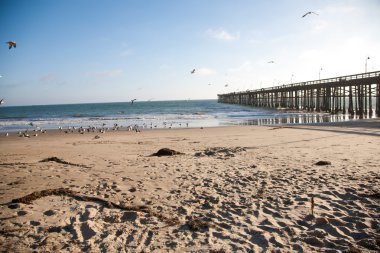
pixel 360 91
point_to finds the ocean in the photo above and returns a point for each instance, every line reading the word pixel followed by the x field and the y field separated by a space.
pixel 151 114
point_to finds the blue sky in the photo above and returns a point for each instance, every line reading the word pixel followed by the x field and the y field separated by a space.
pixel 110 51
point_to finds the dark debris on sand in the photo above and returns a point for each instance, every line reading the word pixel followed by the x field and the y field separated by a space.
pixel 220 152
pixel 167 152
pixel 322 163
pixel 58 160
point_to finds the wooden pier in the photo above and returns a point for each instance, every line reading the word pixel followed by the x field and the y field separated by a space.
pixel 357 94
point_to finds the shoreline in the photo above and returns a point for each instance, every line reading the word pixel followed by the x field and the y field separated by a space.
pixel 239 188
pixel 179 114
pixel 369 123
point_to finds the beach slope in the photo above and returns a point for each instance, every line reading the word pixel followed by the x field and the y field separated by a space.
pixel 227 189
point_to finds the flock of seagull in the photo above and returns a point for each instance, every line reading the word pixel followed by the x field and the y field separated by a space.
pixel 28 133
pixel 81 130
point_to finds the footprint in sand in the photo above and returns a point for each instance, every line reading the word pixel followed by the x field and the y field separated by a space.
pixel 88 230
pixel 22 213
pixel 50 213
pixel 34 223
pixel 89 213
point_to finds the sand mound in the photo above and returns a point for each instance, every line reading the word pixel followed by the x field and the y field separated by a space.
pixel 265 198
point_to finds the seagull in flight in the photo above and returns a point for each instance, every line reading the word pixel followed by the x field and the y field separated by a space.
pixel 270 61
pixel 308 13
pixel 226 85
pixel 133 100
pixel 193 71
pixel 2 101
pixel 11 44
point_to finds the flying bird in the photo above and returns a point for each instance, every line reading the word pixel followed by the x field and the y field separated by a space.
pixel 133 100
pixel 310 12
pixel 11 44
pixel 2 101
pixel 226 85
pixel 193 71
pixel 270 61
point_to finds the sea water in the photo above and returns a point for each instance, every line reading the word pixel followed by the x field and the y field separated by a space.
pixel 150 114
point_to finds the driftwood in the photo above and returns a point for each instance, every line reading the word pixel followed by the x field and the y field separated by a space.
pixel 49 159
pixel 28 199
pixel 58 160
pixel 194 224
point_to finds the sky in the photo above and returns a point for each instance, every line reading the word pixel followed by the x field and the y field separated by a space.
pixel 90 51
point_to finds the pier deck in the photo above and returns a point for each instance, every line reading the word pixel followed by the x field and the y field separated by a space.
pixel 354 94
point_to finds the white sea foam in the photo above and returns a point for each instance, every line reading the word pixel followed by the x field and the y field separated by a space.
pixel 164 114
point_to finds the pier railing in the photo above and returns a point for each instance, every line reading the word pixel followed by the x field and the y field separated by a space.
pixel 354 94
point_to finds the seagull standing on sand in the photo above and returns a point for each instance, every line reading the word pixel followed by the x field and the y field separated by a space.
pixel 193 71
pixel 11 44
pixel 308 13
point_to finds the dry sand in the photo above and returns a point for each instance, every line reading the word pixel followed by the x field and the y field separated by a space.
pixel 234 189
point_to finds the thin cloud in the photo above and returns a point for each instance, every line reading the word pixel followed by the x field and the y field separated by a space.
pixel 246 66
pixel 222 34
pixel 319 25
pixel 255 41
pixel 241 76
pixel 340 9
pixel 205 72
pixel 330 14
pixel 313 55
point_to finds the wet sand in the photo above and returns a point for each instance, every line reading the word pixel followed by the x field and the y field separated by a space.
pixel 234 189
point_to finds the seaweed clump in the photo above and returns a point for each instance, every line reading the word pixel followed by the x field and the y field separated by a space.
pixel 167 152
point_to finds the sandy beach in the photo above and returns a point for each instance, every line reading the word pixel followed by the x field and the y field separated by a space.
pixel 226 189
